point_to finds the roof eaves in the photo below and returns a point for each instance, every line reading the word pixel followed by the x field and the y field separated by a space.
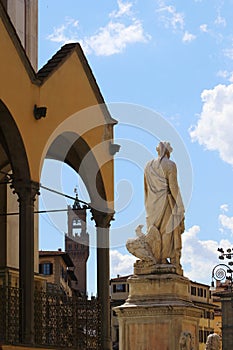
pixel 67 259
pixel 65 256
pixel 59 58
pixel 55 62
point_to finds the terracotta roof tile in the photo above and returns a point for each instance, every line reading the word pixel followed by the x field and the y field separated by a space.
pixel 56 60
pixel 59 58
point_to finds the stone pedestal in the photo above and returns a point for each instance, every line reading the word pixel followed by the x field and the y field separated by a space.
pixel 157 311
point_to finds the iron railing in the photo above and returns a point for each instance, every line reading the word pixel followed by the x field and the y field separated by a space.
pixel 60 321
pixel 9 314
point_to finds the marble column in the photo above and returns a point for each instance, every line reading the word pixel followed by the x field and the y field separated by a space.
pixel 26 191
pixel 103 221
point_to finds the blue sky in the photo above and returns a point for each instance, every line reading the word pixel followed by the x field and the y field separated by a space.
pixel 162 66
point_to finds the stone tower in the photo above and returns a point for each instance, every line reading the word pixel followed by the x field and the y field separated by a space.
pixel 77 243
pixel 24 16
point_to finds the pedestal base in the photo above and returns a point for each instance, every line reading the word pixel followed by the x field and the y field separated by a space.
pixel 150 268
pixel 157 311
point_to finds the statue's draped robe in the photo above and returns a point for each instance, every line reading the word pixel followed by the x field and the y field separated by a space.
pixel 164 206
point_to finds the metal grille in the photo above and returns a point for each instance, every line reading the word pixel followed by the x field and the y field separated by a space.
pixel 60 321
pixel 9 314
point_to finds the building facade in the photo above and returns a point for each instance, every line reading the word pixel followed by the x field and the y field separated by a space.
pixel 202 297
pixel 54 266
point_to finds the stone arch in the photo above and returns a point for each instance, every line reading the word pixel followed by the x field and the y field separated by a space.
pixel 73 150
pixel 13 153
pixel 13 157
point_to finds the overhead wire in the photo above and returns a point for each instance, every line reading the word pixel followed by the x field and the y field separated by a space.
pixel 87 205
pixel 64 195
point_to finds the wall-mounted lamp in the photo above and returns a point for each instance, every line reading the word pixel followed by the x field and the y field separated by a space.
pixel 114 148
pixel 39 112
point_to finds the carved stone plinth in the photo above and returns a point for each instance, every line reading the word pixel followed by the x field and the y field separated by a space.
pixel 147 268
pixel 157 311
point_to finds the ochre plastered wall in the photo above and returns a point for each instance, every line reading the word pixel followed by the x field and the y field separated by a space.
pixel 64 93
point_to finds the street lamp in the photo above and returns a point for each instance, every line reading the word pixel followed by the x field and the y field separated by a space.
pixel 228 254
pixel 225 272
pixel 221 272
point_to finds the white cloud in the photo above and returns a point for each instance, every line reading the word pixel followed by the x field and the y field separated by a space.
pixel 204 28
pixel 226 222
pixel 220 21
pixel 215 124
pixel 223 74
pixel 230 77
pixel 188 37
pixel 228 53
pixel 170 16
pixel 66 33
pixel 121 264
pixel 224 208
pixel 199 256
pixel 108 40
pixel 124 9
pixel 226 75
pixel 114 37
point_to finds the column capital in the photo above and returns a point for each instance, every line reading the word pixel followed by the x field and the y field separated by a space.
pixel 25 189
pixel 102 219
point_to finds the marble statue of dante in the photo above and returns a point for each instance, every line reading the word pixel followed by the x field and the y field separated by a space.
pixel 165 213
pixel 164 207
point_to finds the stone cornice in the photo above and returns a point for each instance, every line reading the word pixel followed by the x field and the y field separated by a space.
pixel 157 311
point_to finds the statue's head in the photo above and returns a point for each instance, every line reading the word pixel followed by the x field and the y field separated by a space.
pixel 164 148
